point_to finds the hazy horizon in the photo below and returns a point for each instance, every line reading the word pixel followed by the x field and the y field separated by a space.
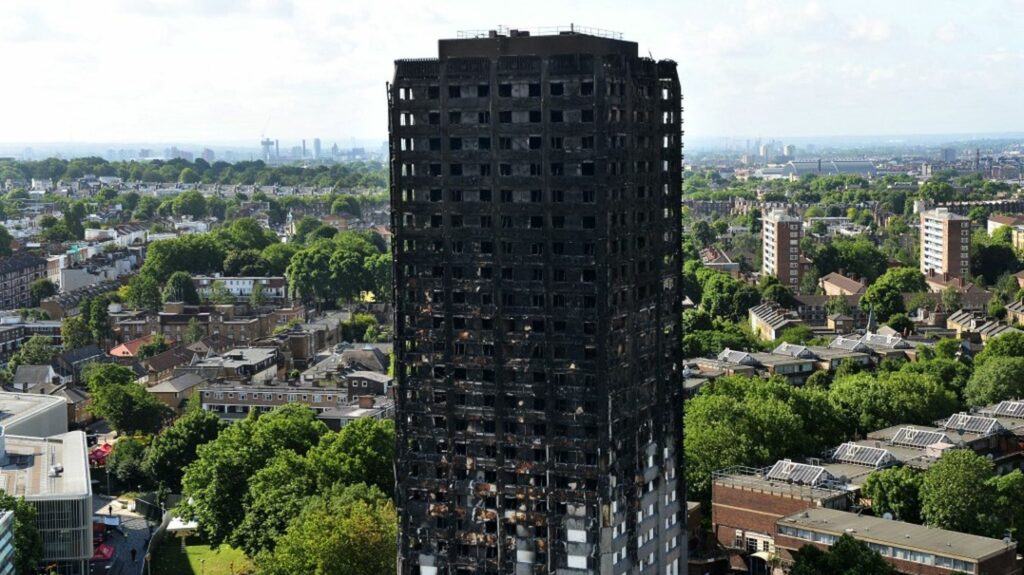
pixel 221 71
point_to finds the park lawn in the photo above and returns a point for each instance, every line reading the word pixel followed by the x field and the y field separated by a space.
pixel 169 560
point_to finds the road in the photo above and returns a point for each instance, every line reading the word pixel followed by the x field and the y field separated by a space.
pixel 136 534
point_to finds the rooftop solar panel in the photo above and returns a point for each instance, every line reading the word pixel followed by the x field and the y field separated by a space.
pixel 1009 409
pixel 911 437
pixel 863 455
pixel 799 473
pixel 966 423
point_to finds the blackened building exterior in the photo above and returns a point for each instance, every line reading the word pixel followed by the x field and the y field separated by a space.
pixel 535 202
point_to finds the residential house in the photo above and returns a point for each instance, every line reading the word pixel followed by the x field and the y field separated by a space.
pixel 70 362
pixel 36 379
pixel 835 284
pixel 768 321
pixel 176 391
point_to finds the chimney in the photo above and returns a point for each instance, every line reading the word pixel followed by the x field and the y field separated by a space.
pixel 366 402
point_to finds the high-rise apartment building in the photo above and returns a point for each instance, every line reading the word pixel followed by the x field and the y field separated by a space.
pixel 945 244
pixel 781 233
pixel 535 184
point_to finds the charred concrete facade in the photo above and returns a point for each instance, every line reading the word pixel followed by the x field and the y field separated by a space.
pixel 535 202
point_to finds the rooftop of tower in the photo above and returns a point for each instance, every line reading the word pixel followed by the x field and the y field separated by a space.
pixel 504 41
pixel 570 30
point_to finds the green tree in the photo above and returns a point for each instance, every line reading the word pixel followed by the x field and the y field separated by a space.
pixel 993 260
pixel 75 332
pixel 36 351
pixel 847 556
pixel 195 331
pixel 193 253
pixel 860 257
pixel 154 346
pixel 951 299
pixel 174 448
pixel 5 242
pixel 346 205
pixel 885 295
pixel 868 402
pixel 218 480
pixel 952 374
pixel 379 271
pixel 995 380
pixel 1009 504
pixel 725 297
pixel 895 490
pixel 773 290
pixel 275 492
pixel 947 348
pixel 41 289
pixel 356 326
pixel 901 323
pixel 278 256
pixel 126 405
pixel 1009 344
pixel 220 294
pixel 362 452
pixel 245 263
pixel 144 293
pixel 190 203
pixel 28 542
pixel 258 296
pixel 336 536
pixel 728 427
pixel 74 215
pixel 303 228
pixel 309 275
pixel 188 176
pixel 953 495
pixel 99 318
pixel 125 460
pixel 180 288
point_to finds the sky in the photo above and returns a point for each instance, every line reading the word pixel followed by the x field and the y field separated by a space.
pixel 229 71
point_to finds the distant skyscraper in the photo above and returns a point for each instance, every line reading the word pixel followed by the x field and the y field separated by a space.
pixel 316 148
pixel 535 205
pixel 948 155
pixel 789 150
pixel 208 155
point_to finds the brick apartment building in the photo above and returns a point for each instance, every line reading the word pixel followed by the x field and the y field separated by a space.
pixel 945 244
pixel 17 272
pixel 780 238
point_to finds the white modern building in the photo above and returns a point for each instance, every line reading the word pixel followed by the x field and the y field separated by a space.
pixel 52 473
pixel 274 287
pixel 33 415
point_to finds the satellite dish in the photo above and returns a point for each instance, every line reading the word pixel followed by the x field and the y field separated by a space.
pixel 887 516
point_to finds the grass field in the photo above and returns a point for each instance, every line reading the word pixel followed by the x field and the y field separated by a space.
pixel 169 560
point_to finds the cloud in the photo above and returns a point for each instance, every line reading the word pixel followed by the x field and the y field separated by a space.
pixel 948 33
pixel 871 30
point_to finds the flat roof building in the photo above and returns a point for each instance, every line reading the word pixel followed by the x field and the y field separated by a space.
pixel 52 473
pixel 780 238
pixel 535 195
pixel 908 547
pixel 945 244
pixel 33 414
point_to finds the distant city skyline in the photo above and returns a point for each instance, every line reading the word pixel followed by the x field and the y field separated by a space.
pixel 219 72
